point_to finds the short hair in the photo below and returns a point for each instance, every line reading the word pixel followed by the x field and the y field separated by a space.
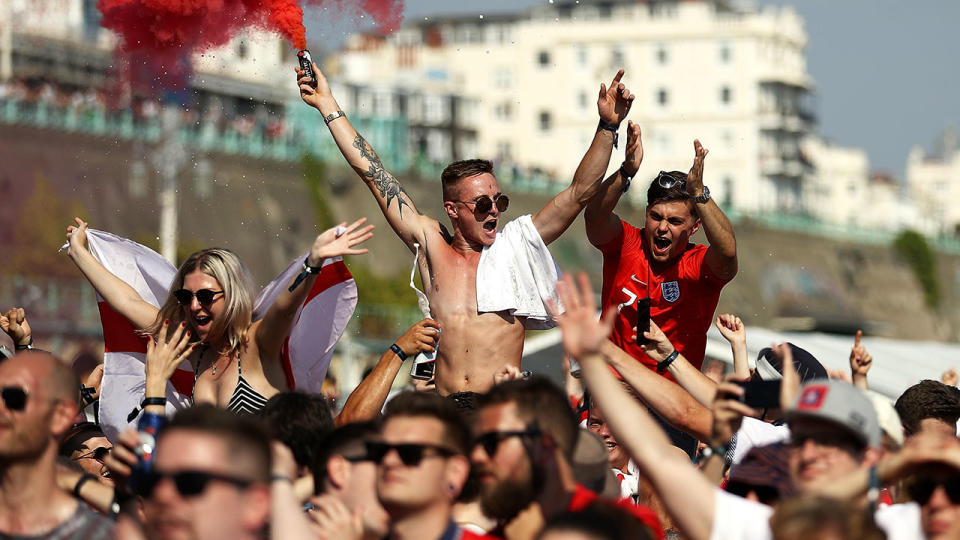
pixel 541 401
pixel 928 399
pixel 61 382
pixel 77 435
pixel 657 194
pixel 245 435
pixel 348 441
pixel 464 168
pixel 803 517
pixel 600 519
pixel 412 403
pixel 300 421
pixel 237 284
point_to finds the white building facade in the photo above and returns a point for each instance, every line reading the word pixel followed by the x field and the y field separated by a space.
pixel 735 79
pixel 934 180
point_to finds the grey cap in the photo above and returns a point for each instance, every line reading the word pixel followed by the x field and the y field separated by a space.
pixel 591 465
pixel 840 403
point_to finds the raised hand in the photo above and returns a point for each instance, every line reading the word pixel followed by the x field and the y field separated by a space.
pixel 790 384
pixel 634 153
pixel 949 377
pixel 331 244
pixel 165 355
pixel 860 362
pixel 614 102
pixel 695 176
pixel 14 324
pixel 310 95
pixel 77 236
pixel 728 411
pixel 658 346
pixel 332 520
pixel 421 337
pixel 582 333
pixel 507 373
pixel 731 328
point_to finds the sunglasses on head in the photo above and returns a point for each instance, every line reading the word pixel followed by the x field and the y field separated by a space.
pixel 484 203
pixel 490 441
pixel 188 483
pixel 411 454
pixel 668 181
pixel 14 398
pixel 98 454
pixel 205 297
pixel 922 488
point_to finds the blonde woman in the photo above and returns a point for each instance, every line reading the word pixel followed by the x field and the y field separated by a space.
pixel 236 361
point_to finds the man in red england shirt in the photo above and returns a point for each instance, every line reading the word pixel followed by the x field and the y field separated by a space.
pixel 681 279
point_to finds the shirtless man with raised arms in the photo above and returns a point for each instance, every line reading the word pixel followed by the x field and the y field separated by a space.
pixel 474 345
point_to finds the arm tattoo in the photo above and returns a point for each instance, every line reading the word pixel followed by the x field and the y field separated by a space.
pixel 386 184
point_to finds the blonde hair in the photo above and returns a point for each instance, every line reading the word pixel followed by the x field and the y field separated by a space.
pixel 237 285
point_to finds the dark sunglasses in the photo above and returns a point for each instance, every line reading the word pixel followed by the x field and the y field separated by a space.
pixel 668 181
pixel 98 454
pixel 204 297
pixel 490 441
pixel 411 454
pixel 922 488
pixel 14 398
pixel 188 483
pixel 484 203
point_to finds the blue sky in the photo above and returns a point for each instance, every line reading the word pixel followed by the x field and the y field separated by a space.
pixel 887 71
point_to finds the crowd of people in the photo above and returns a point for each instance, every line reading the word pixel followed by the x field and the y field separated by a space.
pixel 642 441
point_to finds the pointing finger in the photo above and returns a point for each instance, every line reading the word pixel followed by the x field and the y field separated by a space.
pixel 856 340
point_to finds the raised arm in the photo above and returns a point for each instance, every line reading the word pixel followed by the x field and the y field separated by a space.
pixel 860 362
pixel 721 256
pixel 732 329
pixel 395 203
pixel 613 104
pixel 659 348
pixel 271 331
pixel 687 495
pixel 121 297
pixel 367 399
pixel 603 225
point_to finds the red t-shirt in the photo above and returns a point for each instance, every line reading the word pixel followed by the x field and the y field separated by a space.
pixel 582 498
pixel 683 296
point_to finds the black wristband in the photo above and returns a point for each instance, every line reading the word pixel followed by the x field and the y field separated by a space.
pixel 398 351
pixel 626 178
pixel 307 270
pixel 610 127
pixel 83 479
pixel 662 366
pixel 153 401
pixel 28 346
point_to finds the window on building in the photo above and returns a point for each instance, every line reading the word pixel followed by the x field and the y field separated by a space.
pixel 543 58
pixel 503 111
pixel 616 56
pixel 504 150
pixel 581 54
pixel 663 97
pixel 662 55
pixel 546 121
pixel 726 95
pixel 726 53
pixel 503 78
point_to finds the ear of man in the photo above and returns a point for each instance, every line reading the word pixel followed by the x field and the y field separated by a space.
pixel 255 507
pixel 338 471
pixel 458 469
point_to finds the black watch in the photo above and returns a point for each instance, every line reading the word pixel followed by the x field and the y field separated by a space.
pixel 703 197
pixel 610 127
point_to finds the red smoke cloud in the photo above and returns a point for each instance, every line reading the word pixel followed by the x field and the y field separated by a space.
pixel 173 28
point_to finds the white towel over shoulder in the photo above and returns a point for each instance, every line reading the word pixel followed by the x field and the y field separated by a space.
pixel 518 274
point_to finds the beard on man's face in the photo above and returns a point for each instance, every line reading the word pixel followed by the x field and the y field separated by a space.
pixel 504 500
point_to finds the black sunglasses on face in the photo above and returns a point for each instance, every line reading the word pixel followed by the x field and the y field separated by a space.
pixel 98 454
pixel 14 398
pixel 411 454
pixel 484 203
pixel 668 181
pixel 922 488
pixel 188 483
pixel 490 441
pixel 204 297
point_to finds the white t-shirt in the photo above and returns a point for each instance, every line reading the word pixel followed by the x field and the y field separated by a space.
pixel 755 432
pixel 736 518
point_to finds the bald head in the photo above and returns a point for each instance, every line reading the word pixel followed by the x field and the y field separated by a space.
pixel 58 380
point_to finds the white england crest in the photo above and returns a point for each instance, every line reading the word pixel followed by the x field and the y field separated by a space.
pixel 670 291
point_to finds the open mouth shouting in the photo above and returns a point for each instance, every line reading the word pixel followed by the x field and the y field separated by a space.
pixel 202 323
pixel 490 227
pixel 661 245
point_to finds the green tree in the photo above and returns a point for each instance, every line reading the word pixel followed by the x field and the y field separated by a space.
pixel 913 248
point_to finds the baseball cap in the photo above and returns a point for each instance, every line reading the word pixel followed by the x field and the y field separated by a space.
pixel 840 403
pixel 763 466
pixel 591 465
pixel 770 368
pixel 887 416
